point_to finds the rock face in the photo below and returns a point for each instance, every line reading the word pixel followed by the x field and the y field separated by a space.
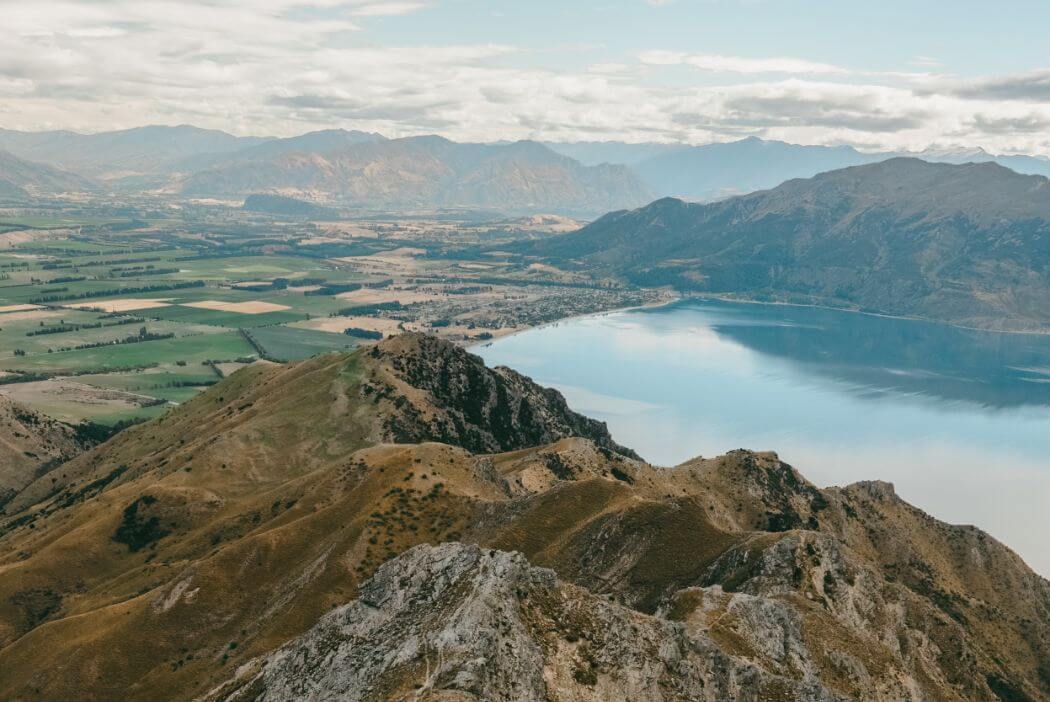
pixel 179 556
pixel 450 396
pixel 461 622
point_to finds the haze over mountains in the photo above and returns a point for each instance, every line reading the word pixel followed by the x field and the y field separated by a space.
pixel 421 172
pixel 380 524
pixel 112 155
pixel 348 168
pixel 969 244
pixel 713 171
pixel 21 179
pixel 364 169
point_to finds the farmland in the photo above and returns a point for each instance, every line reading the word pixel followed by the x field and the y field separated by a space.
pixel 110 318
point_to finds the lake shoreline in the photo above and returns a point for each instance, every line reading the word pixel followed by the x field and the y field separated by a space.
pixel 722 297
pixel 570 318
pixel 954 417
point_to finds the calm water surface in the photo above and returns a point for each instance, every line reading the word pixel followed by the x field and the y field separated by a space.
pixel 958 420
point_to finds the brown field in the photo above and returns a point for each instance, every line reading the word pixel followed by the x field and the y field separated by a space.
pixel 127 304
pixel 70 401
pixel 338 325
pixel 9 239
pixel 373 296
pixel 250 307
pixel 17 308
pixel 230 368
pixel 347 230
pixel 31 314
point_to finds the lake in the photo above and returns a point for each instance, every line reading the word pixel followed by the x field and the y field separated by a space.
pixel 958 420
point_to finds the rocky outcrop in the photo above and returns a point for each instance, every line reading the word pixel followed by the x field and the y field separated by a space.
pixel 465 623
pixel 158 565
pixel 436 391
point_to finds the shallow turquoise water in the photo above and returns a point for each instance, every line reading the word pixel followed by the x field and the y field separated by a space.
pixel 958 420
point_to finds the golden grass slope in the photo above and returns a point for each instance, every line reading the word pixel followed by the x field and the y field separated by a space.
pixel 154 566
pixel 30 443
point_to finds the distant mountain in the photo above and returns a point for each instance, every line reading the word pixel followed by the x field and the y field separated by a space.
pixel 403 523
pixel 593 153
pixel 426 171
pixel 714 171
pixel 23 179
pixel 1028 165
pixel 142 150
pixel 969 244
pixel 320 141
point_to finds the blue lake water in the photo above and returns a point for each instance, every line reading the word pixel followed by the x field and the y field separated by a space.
pixel 958 420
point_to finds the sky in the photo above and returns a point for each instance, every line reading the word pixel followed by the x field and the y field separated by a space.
pixel 893 74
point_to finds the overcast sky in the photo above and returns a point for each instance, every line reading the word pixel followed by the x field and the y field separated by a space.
pixel 886 74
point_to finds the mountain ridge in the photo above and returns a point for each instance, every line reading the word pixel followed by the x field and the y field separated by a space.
pixel 23 179
pixel 963 244
pixel 423 171
pixel 180 555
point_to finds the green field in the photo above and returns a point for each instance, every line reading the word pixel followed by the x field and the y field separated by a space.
pixel 190 349
pixel 291 344
pixel 93 266
pixel 219 318
pixel 56 222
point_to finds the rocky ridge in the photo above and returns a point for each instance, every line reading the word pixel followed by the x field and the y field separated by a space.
pixel 267 538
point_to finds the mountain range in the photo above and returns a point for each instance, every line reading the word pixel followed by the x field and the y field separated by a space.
pixel 21 180
pixel 418 172
pixel 112 155
pixel 715 171
pixel 355 168
pixel 404 522
pixel 968 244
pixel 334 167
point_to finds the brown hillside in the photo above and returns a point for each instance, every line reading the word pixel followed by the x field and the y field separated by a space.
pixel 156 565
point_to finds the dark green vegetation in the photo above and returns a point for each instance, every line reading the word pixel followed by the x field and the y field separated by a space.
pixel 966 244
pixel 281 205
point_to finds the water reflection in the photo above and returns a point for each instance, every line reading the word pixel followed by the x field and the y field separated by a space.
pixel 879 354
pixel 959 420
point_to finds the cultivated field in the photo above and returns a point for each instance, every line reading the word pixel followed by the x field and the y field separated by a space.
pixel 109 319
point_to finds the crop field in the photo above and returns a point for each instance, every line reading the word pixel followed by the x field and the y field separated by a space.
pixel 108 318
pixel 281 343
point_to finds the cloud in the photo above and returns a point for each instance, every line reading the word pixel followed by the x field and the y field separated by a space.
pixel 802 104
pixel 385 9
pixel 737 64
pixel 286 66
pixel 1030 87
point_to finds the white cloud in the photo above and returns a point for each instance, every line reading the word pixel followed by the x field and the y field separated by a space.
pixel 287 66
pixel 737 64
